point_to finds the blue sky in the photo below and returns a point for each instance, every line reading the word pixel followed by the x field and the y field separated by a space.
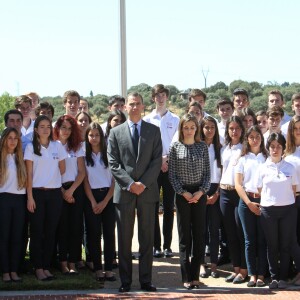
pixel 52 46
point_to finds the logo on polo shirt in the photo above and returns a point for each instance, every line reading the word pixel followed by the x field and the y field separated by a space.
pixel 55 155
pixel 169 125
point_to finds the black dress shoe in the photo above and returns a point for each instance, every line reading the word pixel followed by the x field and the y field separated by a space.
pixel 157 253
pixel 148 287
pixel 223 260
pixel 124 288
pixel 168 253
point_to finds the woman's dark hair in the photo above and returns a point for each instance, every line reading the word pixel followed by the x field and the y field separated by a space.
pixel 246 111
pixel 186 118
pixel 113 114
pixel 237 120
pixel 74 140
pixel 276 137
pixel 36 139
pixel 246 147
pixel 216 138
pixel 89 151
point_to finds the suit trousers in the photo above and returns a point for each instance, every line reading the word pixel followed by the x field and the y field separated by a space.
pixel 43 225
pixel 191 220
pixel 229 202
pixel 96 224
pixel 278 223
pixel 70 228
pixel 125 215
pixel 12 218
pixel 168 212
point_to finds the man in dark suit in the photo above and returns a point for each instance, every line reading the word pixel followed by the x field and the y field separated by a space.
pixel 134 155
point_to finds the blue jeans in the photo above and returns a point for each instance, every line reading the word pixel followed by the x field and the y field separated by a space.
pixel 255 243
pixel 229 201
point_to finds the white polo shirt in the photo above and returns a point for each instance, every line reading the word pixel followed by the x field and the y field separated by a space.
pixel 215 172
pixel 168 125
pixel 46 171
pixel 229 159
pixel 248 166
pixel 11 184
pixel 104 126
pixel 221 129
pixel 286 118
pixel 284 128
pixel 294 159
pixel 71 164
pixel 98 176
pixel 276 181
pixel 30 129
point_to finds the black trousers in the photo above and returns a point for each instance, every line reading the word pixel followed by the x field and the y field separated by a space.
pixel 168 216
pixel 191 220
pixel 96 224
pixel 279 223
pixel 43 225
pixel 70 228
pixel 213 225
pixel 12 218
pixel 229 202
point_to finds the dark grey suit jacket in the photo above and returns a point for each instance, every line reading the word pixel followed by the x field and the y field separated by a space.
pixel 126 167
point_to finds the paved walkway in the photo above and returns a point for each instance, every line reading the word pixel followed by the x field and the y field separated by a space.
pixel 167 278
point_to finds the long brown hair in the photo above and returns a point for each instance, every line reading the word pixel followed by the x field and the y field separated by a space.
pixel 290 139
pixel 103 147
pixel 19 160
pixel 186 118
pixel 216 138
pixel 246 147
pixel 36 140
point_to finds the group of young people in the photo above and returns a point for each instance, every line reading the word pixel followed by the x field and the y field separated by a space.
pixel 74 178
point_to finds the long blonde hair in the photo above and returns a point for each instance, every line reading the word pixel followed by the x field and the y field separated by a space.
pixel 19 160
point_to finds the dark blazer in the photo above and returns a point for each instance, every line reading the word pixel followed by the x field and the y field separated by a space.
pixel 127 168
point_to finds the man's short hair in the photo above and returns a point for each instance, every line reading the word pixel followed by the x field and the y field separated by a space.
pixel 22 99
pixel 12 112
pixel 116 98
pixel 223 101
pixel 276 92
pixel 261 113
pixel 196 92
pixel 159 88
pixel 295 97
pixel 134 94
pixel 240 91
pixel 44 106
pixel 30 94
pixel 275 111
pixel 70 93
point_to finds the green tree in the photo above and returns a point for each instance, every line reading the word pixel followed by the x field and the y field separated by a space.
pixel 6 103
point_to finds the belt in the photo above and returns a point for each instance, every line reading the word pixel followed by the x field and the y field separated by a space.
pixel 104 189
pixel 68 183
pixel 227 187
pixel 253 195
pixel 44 189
